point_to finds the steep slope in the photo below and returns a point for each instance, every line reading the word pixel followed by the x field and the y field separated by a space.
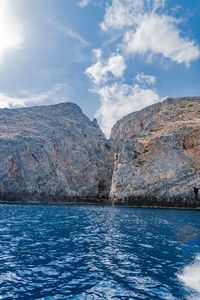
pixel 157 161
pixel 52 153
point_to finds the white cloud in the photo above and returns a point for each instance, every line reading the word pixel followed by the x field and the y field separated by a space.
pixel 118 99
pixel 74 35
pixel 145 79
pixel 159 35
pixel 78 45
pixel 157 4
pixel 102 70
pixel 142 28
pixel 122 14
pixel 11 36
pixel 84 3
pixel 69 33
pixel 147 32
pixel 58 93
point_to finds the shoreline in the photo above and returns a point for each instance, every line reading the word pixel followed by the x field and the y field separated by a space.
pixel 98 203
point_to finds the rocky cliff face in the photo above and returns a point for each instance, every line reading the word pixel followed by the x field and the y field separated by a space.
pixel 157 161
pixel 55 153
pixel 52 153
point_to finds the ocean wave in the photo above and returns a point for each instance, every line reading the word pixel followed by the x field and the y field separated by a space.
pixel 190 277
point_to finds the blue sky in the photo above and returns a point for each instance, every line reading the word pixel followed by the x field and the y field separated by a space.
pixel 111 57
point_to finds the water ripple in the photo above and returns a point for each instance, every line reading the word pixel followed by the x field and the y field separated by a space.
pixel 97 252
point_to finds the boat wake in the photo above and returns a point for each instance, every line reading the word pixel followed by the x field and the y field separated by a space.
pixel 190 277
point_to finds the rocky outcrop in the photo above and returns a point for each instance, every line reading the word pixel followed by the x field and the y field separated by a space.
pixel 53 153
pixel 157 161
pixel 56 154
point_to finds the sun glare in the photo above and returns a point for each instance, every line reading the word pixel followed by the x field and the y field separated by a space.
pixel 10 29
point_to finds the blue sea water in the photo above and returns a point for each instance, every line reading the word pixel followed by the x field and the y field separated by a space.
pixel 98 252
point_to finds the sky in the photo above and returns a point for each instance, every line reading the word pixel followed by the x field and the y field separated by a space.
pixel 111 57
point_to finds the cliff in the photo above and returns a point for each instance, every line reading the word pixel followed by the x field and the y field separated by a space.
pixel 56 154
pixel 157 161
pixel 52 153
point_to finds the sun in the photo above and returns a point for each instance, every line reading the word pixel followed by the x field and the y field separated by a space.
pixel 10 30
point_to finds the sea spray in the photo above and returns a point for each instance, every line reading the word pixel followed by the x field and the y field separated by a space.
pixel 190 277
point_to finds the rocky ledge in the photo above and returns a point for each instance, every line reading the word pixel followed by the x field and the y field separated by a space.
pixel 157 162
pixel 56 154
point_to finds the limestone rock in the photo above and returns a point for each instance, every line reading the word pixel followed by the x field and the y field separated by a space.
pixel 157 161
pixel 52 153
pixel 56 154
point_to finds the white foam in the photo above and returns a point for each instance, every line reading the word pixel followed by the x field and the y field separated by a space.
pixel 190 275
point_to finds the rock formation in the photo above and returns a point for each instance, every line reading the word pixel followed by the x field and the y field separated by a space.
pixel 56 154
pixel 157 162
pixel 52 153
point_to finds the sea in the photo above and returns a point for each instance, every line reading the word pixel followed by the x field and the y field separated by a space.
pixel 98 252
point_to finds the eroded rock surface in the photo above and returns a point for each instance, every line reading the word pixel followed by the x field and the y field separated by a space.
pixel 52 153
pixel 56 154
pixel 157 161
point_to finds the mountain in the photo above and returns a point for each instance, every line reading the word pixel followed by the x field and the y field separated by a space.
pixel 157 161
pixel 52 153
pixel 56 154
